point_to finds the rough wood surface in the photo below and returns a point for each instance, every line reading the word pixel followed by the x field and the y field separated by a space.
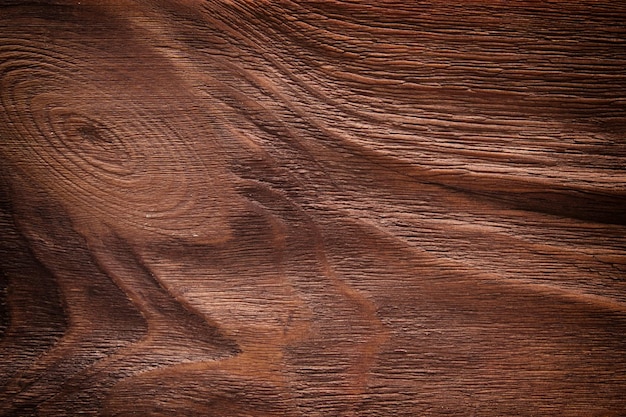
pixel 326 208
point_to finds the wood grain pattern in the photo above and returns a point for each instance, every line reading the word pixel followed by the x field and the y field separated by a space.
pixel 324 208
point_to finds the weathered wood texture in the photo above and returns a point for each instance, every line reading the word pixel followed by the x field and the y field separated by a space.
pixel 328 208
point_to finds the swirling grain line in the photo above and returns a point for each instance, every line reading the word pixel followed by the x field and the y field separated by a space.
pixel 106 158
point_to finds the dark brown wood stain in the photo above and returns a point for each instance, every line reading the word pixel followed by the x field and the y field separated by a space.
pixel 326 208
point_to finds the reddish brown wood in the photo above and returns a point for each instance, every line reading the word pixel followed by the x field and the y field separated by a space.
pixel 330 208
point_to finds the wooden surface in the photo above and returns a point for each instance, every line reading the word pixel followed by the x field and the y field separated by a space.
pixel 329 208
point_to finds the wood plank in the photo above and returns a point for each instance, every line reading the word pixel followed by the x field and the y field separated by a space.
pixel 320 208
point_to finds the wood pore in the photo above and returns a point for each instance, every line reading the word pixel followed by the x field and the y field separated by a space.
pixel 316 208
